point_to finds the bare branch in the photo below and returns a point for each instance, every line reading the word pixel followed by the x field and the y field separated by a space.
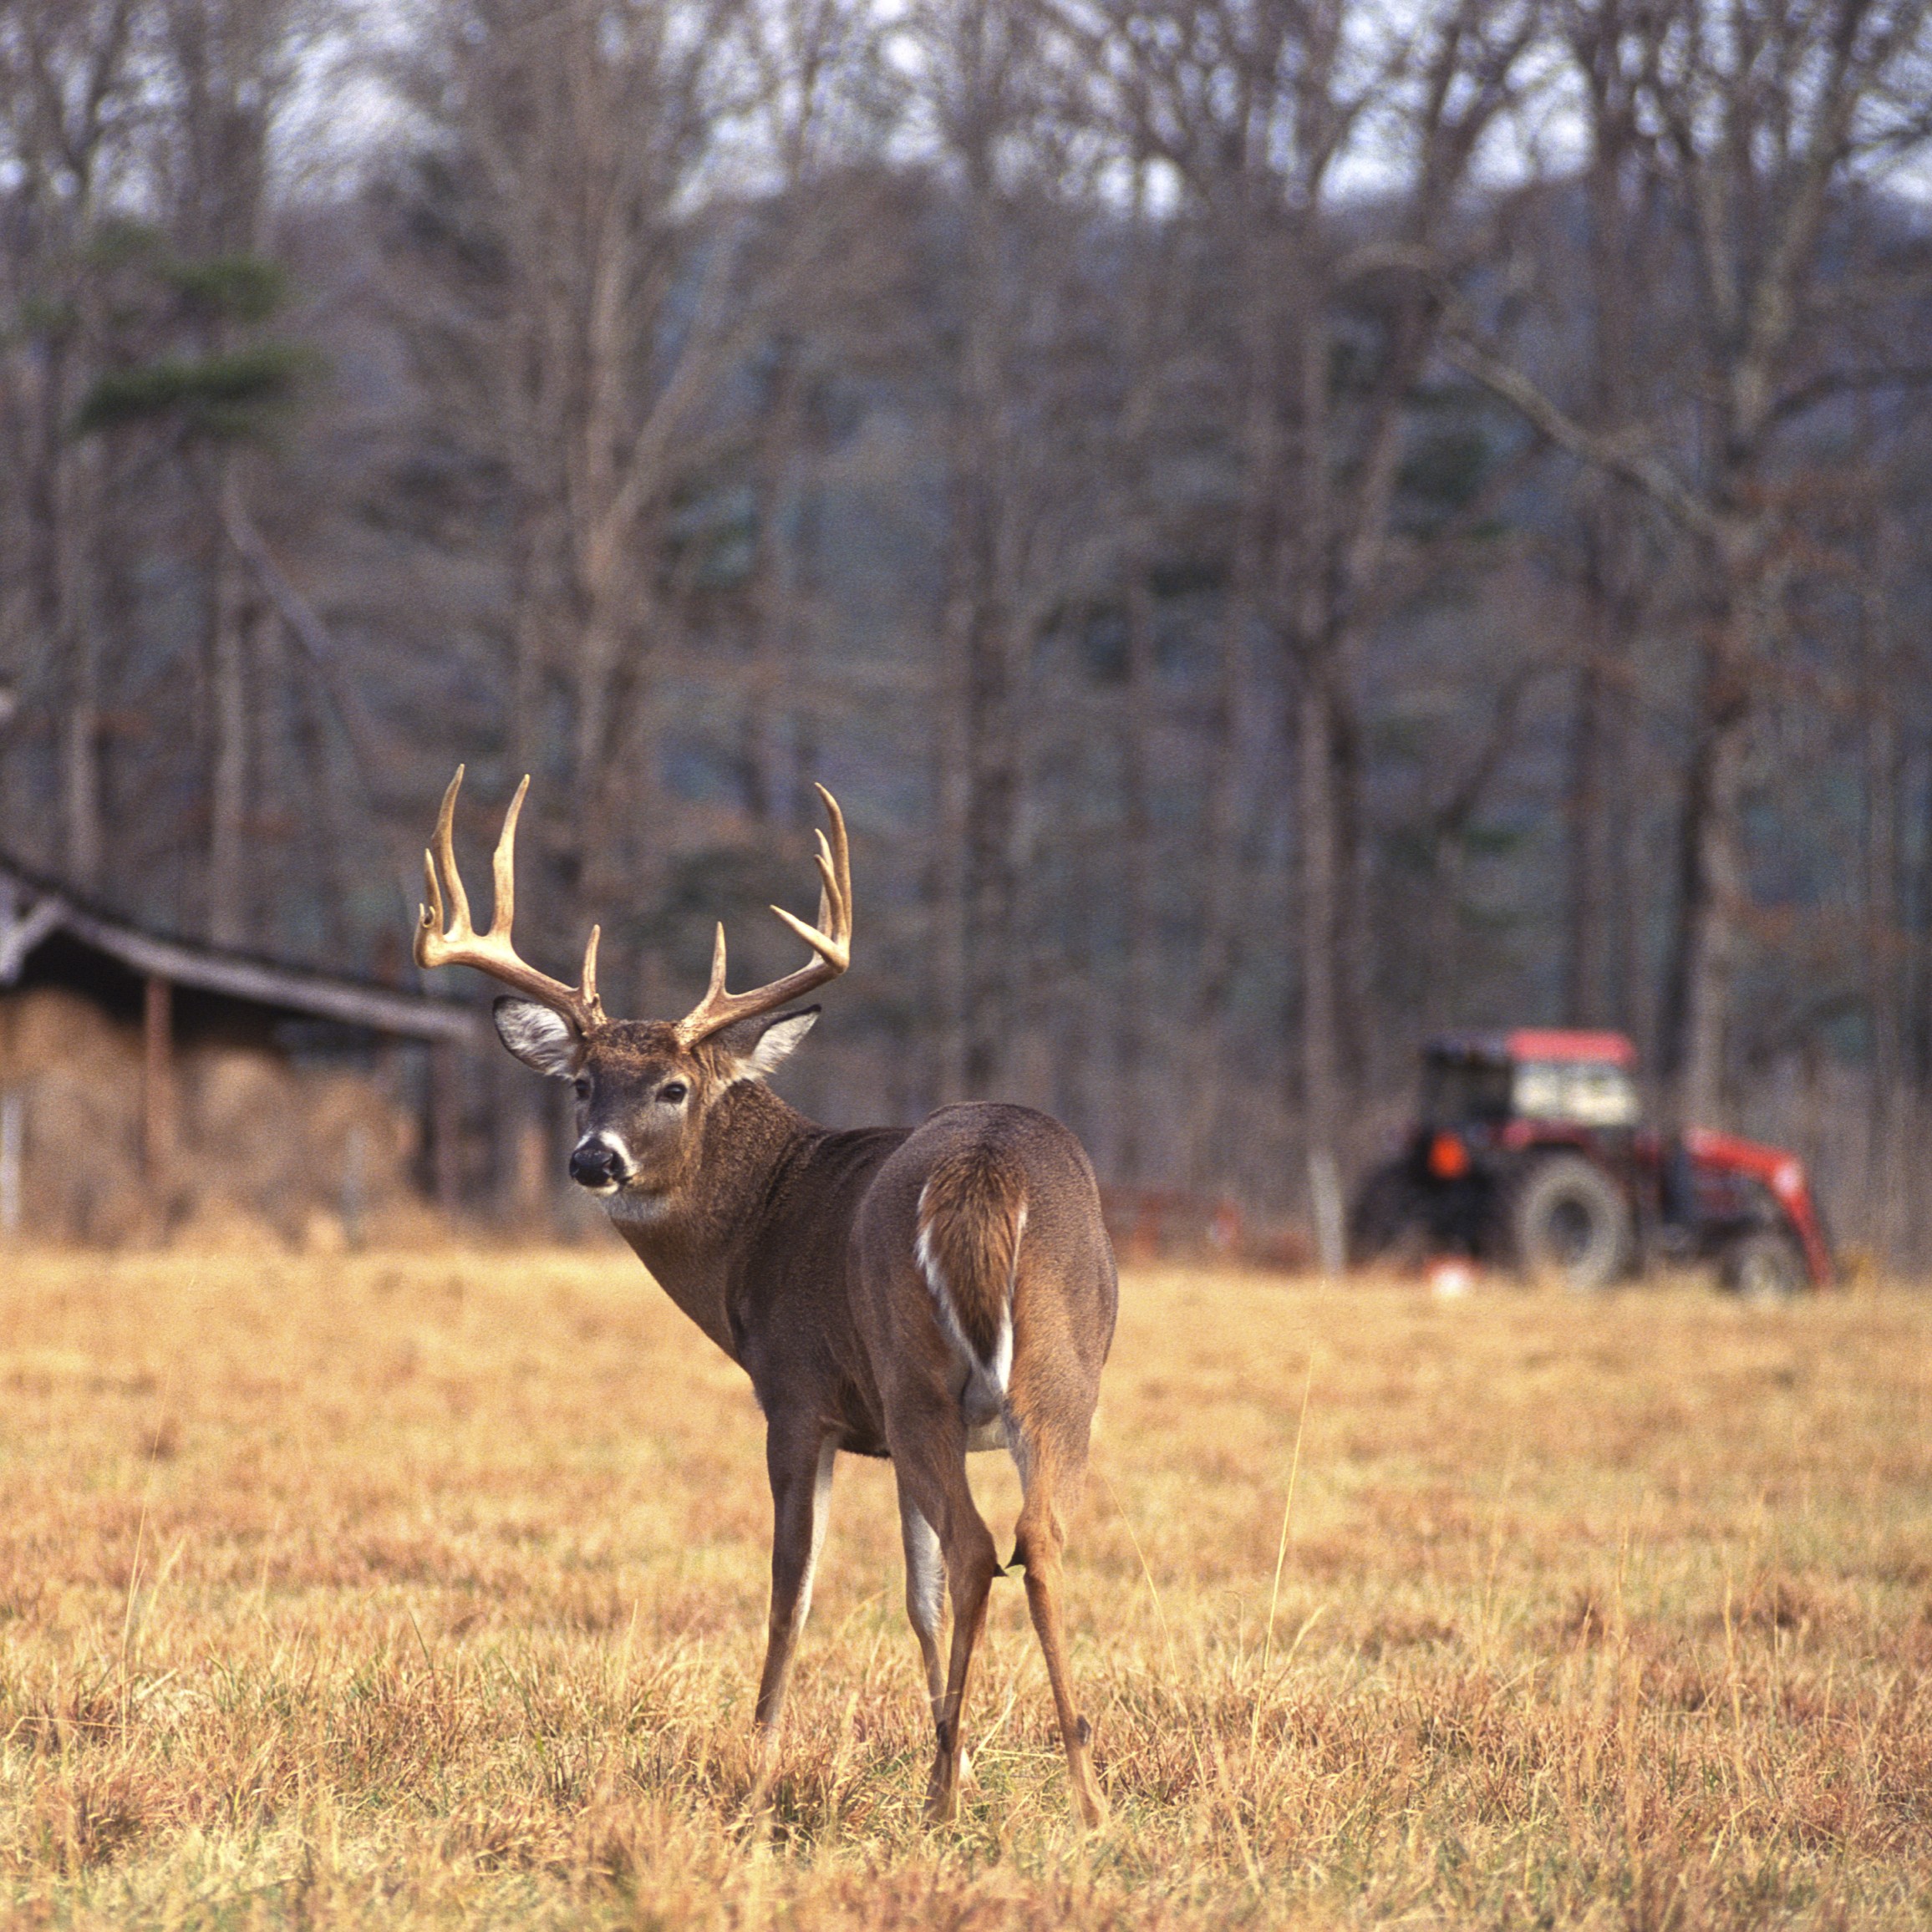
pixel 1610 454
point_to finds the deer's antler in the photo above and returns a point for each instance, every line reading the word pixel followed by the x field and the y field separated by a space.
pixel 491 952
pixel 830 940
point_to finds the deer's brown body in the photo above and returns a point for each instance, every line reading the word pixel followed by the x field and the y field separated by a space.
pixel 914 1295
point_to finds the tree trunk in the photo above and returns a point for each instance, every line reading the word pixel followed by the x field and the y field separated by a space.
pixel 1258 431
pixel 1887 1178
pixel 1220 881
pixel 1320 883
pixel 77 506
pixel 991 799
pixel 776 623
pixel 1628 833
pixel 980 630
pixel 1917 1043
pixel 1307 557
pixel 80 776
pixel 945 884
pixel 1585 1000
pixel 1355 852
pixel 1712 892
pixel 1442 968
pixel 1594 804
pixel 1135 1015
pixel 227 882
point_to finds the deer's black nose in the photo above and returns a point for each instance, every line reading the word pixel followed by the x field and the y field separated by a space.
pixel 596 1164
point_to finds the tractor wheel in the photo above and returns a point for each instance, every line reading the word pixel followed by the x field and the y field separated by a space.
pixel 1386 1224
pixel 1570 1223
pixel 1764 1266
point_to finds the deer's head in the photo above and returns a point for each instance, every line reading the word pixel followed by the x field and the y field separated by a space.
pixel 644 1087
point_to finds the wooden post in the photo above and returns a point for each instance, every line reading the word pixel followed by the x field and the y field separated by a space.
pixel 12 1159
pixel 446 1126
pixel 158 1081
pixel 530 1194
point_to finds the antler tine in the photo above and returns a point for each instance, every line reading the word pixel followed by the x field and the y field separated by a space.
pixel 586 980
pixel 460 944
pixel 715 990
pixel 444 844
pixel 835 870
pixel 503 868
pixel 830 940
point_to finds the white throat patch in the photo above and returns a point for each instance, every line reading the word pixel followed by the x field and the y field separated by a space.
pixel 629 1210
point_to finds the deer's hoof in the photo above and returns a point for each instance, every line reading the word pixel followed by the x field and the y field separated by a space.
pixel 942 1799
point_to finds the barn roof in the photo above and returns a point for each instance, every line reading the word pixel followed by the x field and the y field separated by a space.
pixel 33 910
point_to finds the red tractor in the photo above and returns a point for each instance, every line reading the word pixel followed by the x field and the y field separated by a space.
pixel 1529 1154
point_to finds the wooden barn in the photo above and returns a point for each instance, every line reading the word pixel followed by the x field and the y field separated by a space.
pixel 150 1083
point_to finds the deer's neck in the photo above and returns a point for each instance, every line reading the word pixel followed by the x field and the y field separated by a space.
pixel 690 1238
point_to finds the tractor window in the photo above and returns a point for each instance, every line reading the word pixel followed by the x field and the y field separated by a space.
pixel 1590 1093
pixel 1454 1090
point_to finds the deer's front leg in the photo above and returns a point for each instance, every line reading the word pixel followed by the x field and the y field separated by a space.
pixel 800 1465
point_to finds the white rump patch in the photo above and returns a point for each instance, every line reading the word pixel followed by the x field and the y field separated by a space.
pixel 985 1390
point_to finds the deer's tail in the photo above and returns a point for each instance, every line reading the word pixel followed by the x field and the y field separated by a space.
pixel 972 1215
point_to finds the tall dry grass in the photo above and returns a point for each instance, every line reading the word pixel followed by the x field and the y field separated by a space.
pixel 428 1590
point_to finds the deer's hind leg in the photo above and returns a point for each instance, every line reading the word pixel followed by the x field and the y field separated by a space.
pixel 925 1592
pixel 925 1609
pixel 1049 1455
pixel 931 1462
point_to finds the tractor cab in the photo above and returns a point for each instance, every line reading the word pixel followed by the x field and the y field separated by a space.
pixel 1528 1150
pixel 1574 1079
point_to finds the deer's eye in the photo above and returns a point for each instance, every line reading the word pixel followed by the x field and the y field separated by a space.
pixel 582 1086
pixel 672 1092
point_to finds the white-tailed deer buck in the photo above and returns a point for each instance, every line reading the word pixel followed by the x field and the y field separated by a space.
pixel 911 1295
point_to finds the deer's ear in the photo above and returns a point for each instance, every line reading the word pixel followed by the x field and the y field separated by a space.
pixel 539 1037
pixel 762 1044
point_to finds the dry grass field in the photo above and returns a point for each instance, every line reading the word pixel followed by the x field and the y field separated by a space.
pixel 428 1589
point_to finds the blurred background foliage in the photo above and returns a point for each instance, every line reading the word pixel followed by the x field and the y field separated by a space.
pixel 1287 523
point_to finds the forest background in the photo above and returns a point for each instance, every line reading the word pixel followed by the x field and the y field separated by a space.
pixel 1288 524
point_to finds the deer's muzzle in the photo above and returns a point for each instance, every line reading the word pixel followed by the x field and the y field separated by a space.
pixel 598 1163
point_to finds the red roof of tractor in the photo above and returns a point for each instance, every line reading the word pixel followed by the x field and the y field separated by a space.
pixel 1535 1042
pixel 1562 1043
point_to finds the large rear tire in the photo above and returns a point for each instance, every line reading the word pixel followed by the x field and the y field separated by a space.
pixel 1570 1224
pixel 1765 1266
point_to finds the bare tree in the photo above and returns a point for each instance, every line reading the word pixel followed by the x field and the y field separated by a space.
pixel 1258 108
pixel 1024 536
pixel 65 81
pixel 1765 125
pixel 584 321
pixel 1035 419
pixel 223 66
